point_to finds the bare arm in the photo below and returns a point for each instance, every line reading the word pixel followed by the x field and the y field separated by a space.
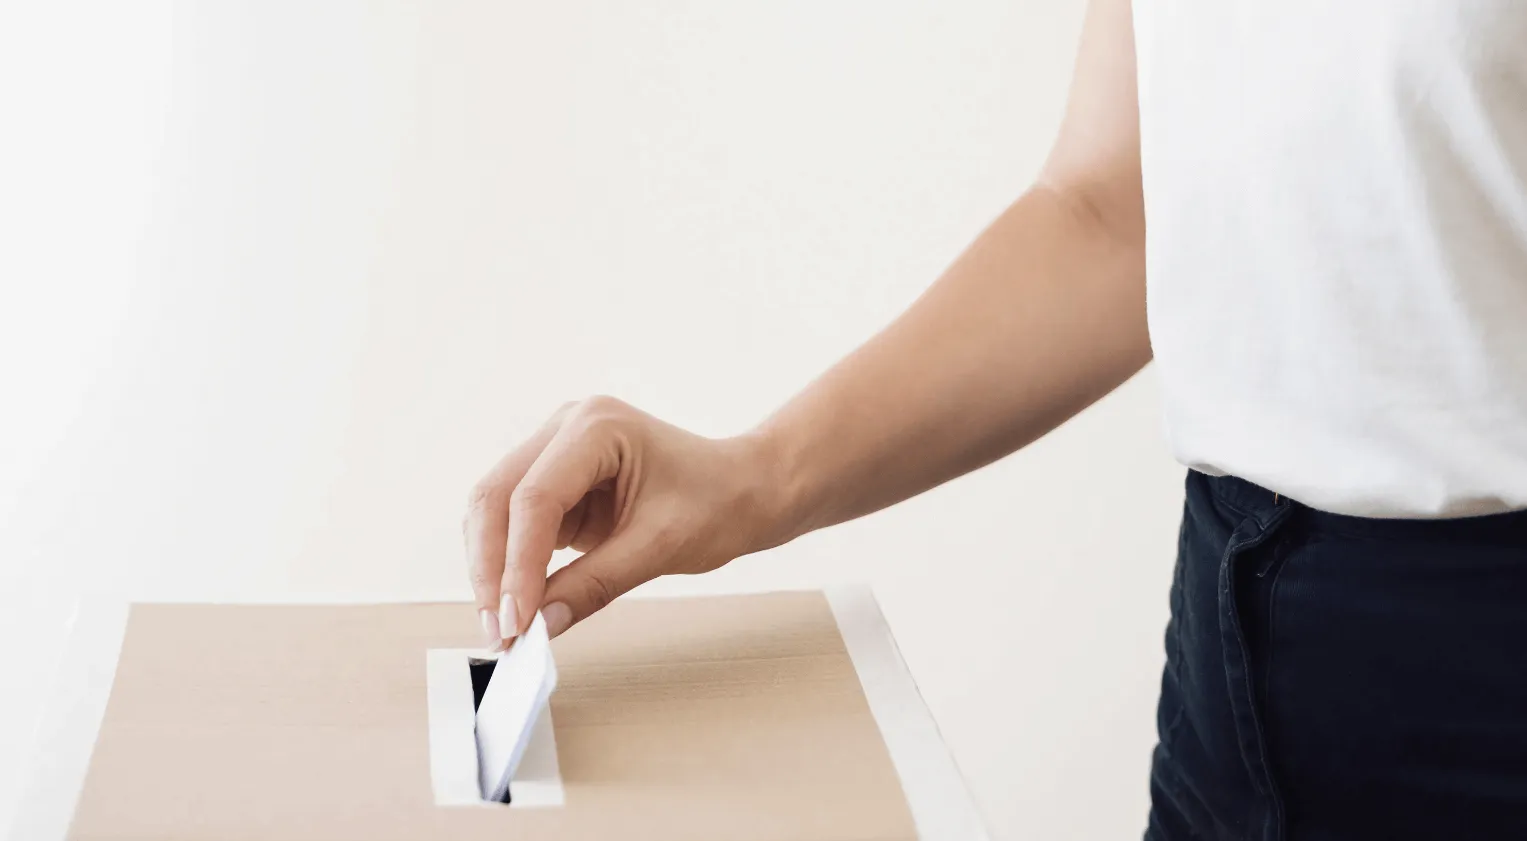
pixel 1042 315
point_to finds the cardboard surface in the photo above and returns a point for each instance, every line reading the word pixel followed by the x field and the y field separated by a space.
pixel 729 718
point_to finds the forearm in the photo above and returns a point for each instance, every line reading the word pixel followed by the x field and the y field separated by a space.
pixel 1040 317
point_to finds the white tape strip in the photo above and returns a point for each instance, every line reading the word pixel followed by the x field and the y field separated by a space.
pixel 936 793
pixel 452 743
pixel 66 736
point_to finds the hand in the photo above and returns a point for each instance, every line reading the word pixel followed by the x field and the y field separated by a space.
pixel 639 497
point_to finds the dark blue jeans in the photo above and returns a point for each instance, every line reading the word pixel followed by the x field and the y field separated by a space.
pixel 1333 677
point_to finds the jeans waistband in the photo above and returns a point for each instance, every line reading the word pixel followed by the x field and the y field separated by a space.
pixel 1253 500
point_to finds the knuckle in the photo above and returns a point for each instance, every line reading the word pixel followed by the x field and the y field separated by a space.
pixel 594 429
pixel 604 404
pixel 601 407
pixel 482 582
pixel 481 498
pixel 599 591
pixel 528 500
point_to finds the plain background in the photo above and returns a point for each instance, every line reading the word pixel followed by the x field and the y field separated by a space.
pixel 281 279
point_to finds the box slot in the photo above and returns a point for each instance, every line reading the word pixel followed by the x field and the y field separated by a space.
pixel 482 672
pixel 455 682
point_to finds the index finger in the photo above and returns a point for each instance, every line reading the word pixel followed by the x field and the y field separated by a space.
pixel 485 529
pixel 576 459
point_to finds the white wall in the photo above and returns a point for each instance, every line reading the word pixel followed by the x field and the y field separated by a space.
pixel 280 279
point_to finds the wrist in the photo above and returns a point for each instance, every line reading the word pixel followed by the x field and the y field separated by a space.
pixel 776 497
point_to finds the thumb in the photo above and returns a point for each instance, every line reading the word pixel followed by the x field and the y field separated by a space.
pixel 585 586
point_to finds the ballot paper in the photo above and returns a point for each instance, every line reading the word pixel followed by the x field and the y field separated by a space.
pixel 517 693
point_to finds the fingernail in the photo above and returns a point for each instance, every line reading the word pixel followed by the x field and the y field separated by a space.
pixel 558 616
pixel 508 617
pixel 490 628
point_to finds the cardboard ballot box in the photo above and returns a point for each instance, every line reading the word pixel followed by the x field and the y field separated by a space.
pixel 763 717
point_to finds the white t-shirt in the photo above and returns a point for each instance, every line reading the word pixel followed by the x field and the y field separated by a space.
pixel 1336 217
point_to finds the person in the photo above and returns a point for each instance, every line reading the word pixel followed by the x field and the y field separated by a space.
pixel 1313 217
